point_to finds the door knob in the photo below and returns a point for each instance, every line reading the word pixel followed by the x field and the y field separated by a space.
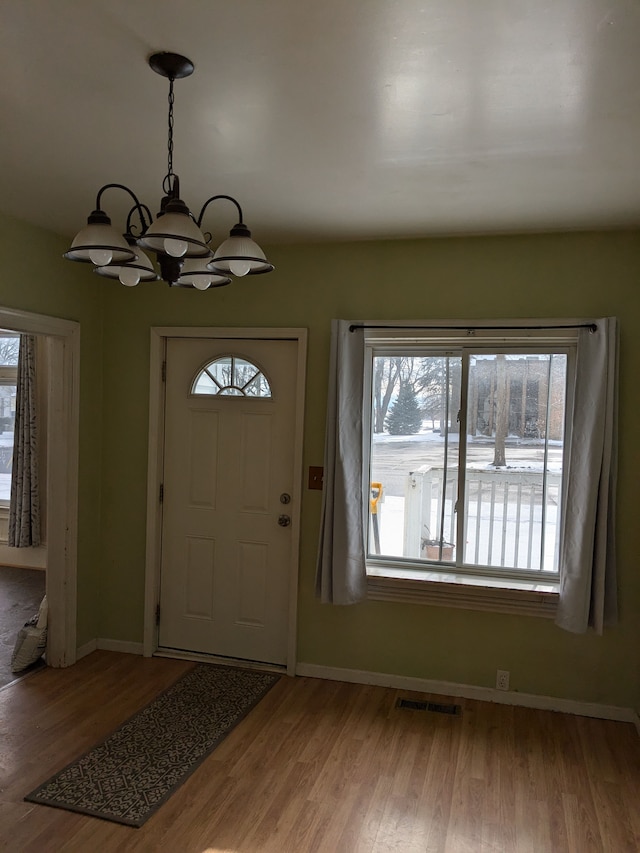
pixel 284 520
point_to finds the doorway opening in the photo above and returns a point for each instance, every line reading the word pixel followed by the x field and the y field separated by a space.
pixel 59 343
pixel 22 570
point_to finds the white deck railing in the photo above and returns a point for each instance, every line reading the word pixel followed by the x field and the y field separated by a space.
pixel 512 515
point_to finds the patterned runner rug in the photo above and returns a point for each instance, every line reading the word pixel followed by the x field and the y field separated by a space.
pixel 130 774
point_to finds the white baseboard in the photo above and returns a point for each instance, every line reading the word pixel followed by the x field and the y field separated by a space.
pixel 85 650
pixel 124 646
pixel 420 685
pixel 470 691
pixel 23 558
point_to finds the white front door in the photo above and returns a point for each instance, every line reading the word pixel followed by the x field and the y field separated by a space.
pixel 228 482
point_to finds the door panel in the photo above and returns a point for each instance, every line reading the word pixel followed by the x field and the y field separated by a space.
pixel 203 458
pixel 198 581
pixel 225 559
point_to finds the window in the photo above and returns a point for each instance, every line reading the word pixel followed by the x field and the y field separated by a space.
pixel 9 348
pixel 544 545
pixel 231 376
pixel 467 445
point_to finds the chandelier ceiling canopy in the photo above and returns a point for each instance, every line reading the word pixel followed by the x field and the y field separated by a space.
pixel 181 248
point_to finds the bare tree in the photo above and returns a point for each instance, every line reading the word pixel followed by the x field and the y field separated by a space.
pixel 386 372
pixel 502 412
pixel 9 349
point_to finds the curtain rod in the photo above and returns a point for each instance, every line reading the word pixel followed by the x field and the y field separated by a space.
pixel 591 326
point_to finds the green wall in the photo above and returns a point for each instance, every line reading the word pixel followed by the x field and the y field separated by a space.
pixel 533 276
pixel 35 278
pixel 530 276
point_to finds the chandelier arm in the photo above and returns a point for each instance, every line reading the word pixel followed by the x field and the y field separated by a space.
pixel 215 198
pixel 119 187
pixel 141 209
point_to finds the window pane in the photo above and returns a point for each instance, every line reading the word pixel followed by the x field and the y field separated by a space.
pixel 7 420
pixel 205 385
pixel 513 452
pixel 258 387
pixel 515 443
pixel 414 455
pixel 9 349
pixel 221 370
pixel 244 372
pixel 230 376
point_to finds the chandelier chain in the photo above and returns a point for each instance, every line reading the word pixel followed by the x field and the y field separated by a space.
pixel 167 180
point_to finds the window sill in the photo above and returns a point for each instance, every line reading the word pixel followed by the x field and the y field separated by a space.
pixel 462 591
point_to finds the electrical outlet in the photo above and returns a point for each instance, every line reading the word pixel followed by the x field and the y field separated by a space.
pixel 502 679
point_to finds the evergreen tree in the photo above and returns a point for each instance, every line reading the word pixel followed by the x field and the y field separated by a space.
pixel 405 417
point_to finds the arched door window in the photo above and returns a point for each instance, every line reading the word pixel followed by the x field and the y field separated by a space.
pixel 231 376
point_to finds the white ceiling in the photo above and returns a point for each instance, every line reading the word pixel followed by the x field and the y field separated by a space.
pixel 338 119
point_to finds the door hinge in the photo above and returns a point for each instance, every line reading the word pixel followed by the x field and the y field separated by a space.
pixel 157 614
pixel 164 371
pixel 161 495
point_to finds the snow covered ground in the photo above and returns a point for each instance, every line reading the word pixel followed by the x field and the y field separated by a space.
pixel 6 441
pixel 515 534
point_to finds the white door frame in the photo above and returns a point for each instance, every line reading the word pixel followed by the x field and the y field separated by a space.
pixel 63 417
pixel 159 336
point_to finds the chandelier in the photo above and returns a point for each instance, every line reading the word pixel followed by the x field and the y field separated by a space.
pixel 181 249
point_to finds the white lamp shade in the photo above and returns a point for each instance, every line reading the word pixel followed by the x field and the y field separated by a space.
pixel 141 265
pixel 101 241
pixel 196 273
pixel 240 255
pixel 176 228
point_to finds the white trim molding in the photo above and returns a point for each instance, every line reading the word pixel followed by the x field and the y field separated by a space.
pixel 24 558
pixel 470 691
pixel 86 649
pixel 123 646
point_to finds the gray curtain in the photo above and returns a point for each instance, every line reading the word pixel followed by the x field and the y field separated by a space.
pixel 341 576
pixel 24 506
pixel 588 594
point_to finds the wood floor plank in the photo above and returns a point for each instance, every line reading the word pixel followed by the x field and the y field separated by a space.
pixel 326 767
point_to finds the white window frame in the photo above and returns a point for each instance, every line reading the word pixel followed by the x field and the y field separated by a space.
pixel 445 583
pixel 222 388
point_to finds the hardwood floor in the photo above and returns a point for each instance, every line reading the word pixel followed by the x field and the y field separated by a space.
pixel 327 766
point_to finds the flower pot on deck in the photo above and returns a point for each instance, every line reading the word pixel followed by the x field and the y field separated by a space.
pixel 432 552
